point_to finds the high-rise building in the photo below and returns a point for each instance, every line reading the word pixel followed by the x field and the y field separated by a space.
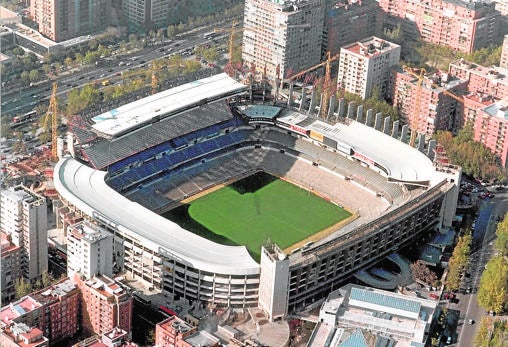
pixel 11 268
pixel 489 81
pixel 348 21
pixel 106 305
pixel 53 310
pixel 428 106
pixel 61 20
pixel 89 250
pixel 145 15
pixel 284 35
pixel 365 65
pixel 491 129
pixel 504 53
pixel 462 25
pixel 23 217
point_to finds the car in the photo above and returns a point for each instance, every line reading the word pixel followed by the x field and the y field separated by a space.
pixel 449 340
pixel 470 321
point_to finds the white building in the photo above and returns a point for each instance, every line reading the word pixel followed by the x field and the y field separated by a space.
pixel 355 312
pixel 274 281
pixel 23 216
pixel 89 250
pixel 365 65
pixel 288 34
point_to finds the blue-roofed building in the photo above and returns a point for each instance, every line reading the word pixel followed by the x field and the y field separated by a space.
pixel 361 316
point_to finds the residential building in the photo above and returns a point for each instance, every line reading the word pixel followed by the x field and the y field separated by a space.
pixel 284 37
pixel 355 313
pixel 350 21
pixel 114 338
pixel 106 305
pixel 490 128
pixel 462 25
pixel 175 332
pixel 490 81
pixel 11 268
pixel 23 217
pixel 429 105
pixel 472 104
pixel 89 250
pixel 365 65
pixel 502 7
pixel 504 54
pixel 53 310
pixel 145 15
pixel 61 20
pixel 21 335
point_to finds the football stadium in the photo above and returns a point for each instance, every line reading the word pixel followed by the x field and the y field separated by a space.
pixel 214 197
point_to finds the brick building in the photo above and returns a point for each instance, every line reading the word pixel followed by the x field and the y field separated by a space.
pixel 462 25
pixel 175 332
pixel 491 81
pixel 11 268
pixel 427 107
pixel 21 335
pixel 106 305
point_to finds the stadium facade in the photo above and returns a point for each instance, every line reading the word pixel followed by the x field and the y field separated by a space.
pixel 135 162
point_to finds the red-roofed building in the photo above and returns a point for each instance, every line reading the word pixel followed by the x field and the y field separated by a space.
pixel 11 268
pixel 20 335
pixel 106 305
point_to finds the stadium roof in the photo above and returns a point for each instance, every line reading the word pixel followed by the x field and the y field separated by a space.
pixel 402 162
pixel 86 189
pixel 126 118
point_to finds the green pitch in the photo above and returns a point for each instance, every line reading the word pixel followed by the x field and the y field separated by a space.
pixel 249 212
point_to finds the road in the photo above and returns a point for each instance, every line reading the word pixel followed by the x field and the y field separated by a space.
pixel 468 304
pixel 25 99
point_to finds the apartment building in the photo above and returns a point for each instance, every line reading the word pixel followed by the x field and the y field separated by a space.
pixel 459 24
pixel 145 15
pixel 61 20
pixel 503 63
pixel 53 310
pixel 284 36
pixel 106 305
pixel 11 268
pixel 490 81
pixel 366 64
pixel 348 21
pixel 114 338
pixel 430 105
pixel 491 128
pixel 89 250
pixel 23 217
pixel 175 332
pixel 21 335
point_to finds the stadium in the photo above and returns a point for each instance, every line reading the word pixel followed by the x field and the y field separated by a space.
pixel 132 164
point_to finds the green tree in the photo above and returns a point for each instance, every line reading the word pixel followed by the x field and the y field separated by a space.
pixel 494 285
pixel 22 287
pixel 46 279
pixel 171 32
pixel 481 338
pixel 34 75
pixel 501 241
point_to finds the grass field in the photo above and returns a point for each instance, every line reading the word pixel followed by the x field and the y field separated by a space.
pixel 261 206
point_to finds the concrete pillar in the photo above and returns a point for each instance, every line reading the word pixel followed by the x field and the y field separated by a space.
pixel 368 120
pixel 403 135
pixel 331 108
pixel 395 129
pixel 359 113
pixel 312 105
pixel 351 109
pixel 303 100
pixel 290 94
pixel 421 142
pixel 377 122
pixel 342 106
pixel 386 126
pixel 431 150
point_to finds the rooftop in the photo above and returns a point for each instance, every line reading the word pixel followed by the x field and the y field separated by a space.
pixel 498 109
pixel 143 112
pixel 16 309
pixel 495 74
pixel 370 47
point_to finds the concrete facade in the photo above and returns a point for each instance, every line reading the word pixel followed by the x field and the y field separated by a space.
pixel 11 268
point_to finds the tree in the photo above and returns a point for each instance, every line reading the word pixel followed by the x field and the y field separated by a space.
pixel 22 287
pixel 422 272
pixel 494 285
pixel 481 338
pixel 171 32
pixel 458 260
pixel 34 75
pixel 501 241
pixel 68 62
pixel 46 279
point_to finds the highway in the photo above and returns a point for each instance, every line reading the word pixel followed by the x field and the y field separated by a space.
pixel 25 99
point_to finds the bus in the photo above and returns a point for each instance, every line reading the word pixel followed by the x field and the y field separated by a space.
pixel 167 311
pixel 21 120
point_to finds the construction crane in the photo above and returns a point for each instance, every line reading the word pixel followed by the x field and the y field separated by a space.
pixel 419 73
pixel 52 115
pixel 231 42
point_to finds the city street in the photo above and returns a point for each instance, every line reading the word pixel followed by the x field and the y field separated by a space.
pixel 467 303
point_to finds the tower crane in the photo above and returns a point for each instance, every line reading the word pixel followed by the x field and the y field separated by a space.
pixel 52 115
